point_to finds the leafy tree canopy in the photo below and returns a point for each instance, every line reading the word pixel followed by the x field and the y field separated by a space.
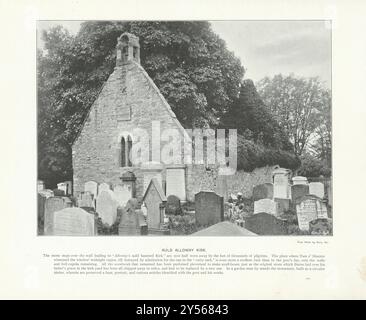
pixel 189 63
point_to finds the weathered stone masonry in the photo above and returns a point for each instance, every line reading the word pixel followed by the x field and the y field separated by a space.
pixel 129 99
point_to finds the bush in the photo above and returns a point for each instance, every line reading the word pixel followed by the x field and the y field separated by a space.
pixel 252 155
pixel 313 167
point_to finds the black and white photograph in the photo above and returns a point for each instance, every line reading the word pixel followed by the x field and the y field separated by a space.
pixel 184 128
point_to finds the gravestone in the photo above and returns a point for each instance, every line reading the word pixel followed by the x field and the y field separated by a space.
pixel 62 186
pixel 283 205
pixel 151 170
pixel 173 205
pixel 281 186
pixel 40 185
pixel 41 202
pixel 92 187
pixel 299 180
pixel 132 221
pixel 103 187
pixel 106 206
pixel 309 208
pixel 317 189
pixel 128 179
pixel 155 201
pixel 73 222
pixel 330 193
pixel 266 224
pixel 52 205
pixel 265 205
pixel 85 199
pixel 46 193
pixel 299 191
pixel 176 182
pixel 58 193
pixel 263 191
pixel 221 186
pixel 122 193
pixel 209 208
pixel 321 227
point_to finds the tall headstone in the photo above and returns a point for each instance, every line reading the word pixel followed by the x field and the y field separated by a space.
pixel 155 201
pixel 92 187
pixel 266 224
pixel 299 191
pixel 73 222
pixel 176 182
pixel 299 180
pixel 122 193
pixel 106 207
pixel 52 205
pixel 263 191
pixel 281 186
pixel 317 189
pixel 209 208
pixel 265 205
pixel 309 208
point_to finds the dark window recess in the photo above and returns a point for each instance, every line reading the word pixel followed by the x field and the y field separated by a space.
pixel 126 146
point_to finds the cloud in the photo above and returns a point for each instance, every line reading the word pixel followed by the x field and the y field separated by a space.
pixel 270 47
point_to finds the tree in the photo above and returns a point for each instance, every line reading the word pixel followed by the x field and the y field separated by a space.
pixel 189 63
pixel 253 120
pixel 298 104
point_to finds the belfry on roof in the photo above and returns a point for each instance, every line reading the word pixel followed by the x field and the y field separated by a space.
pixel 128 49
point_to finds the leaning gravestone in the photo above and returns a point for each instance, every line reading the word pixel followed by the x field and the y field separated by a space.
pixel 122 193
pixel 299 191
pixel 309 208
pixel 321 227
pixel 92 187
pixel 209 208
pixel 173 206
pixel 106 207
pixel 266 224
pixel 265 205
pixel 263 191
pixel 73 222
pixel 317 189
pixel 52 205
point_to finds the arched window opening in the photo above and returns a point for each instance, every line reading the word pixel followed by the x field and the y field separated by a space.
pixel 129 148
pixel 126 146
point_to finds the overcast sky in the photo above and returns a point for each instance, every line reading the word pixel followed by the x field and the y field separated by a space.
pixel 266 48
